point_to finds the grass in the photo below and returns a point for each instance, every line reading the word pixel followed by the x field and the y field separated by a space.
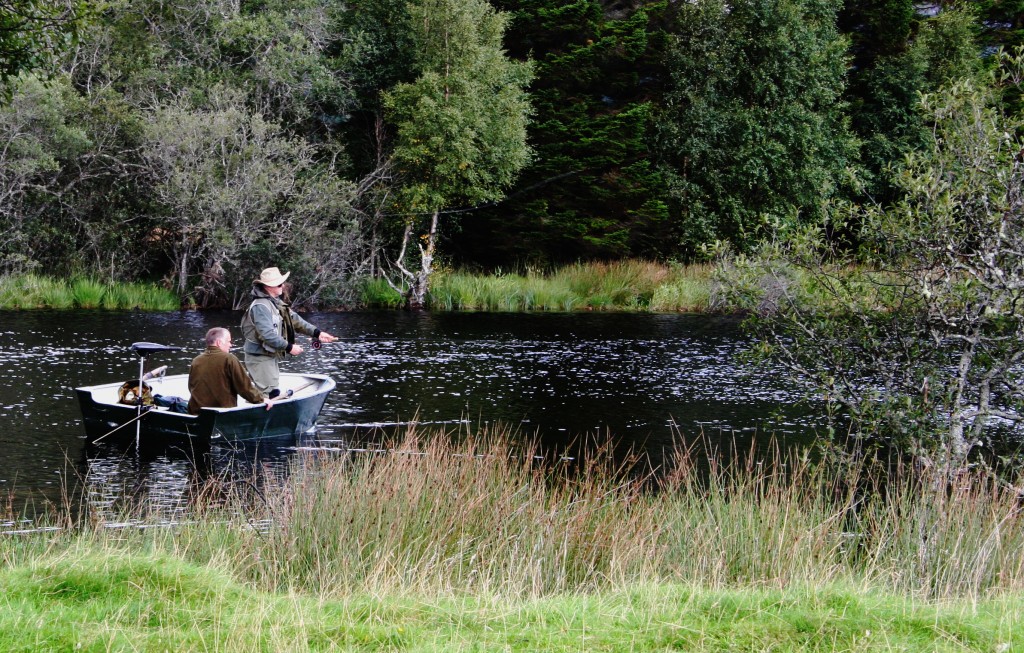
pixel 471 542
pixel 479 514
pixel 619 286
pixel 29 291
pixel 88 293
pixel 377 293
pixel 101 601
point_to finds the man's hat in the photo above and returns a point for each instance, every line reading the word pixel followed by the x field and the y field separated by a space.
pixel 272 277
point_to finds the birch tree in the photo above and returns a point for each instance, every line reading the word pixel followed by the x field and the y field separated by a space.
pixel 460 127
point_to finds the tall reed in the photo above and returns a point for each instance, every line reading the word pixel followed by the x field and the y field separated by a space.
pixel 88 293
pixel 622 285
pixel 688 288
pixel 140 296
pixel 29 291
pixel 377 293
pixel 33 291
pixel 482 514
pixel 434 516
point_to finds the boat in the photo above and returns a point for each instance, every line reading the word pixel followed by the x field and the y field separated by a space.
pixel 107 416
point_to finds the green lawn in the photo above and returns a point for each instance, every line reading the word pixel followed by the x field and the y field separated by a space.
pixel 86 599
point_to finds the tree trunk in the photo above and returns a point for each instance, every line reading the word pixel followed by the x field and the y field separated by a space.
pixel 416 297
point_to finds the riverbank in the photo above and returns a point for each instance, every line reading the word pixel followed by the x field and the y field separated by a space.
pixel 30 291
pixel 618 286
pixel 635 286
pixel 457 541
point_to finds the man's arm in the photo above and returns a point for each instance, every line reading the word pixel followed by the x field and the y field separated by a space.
pixel 302 326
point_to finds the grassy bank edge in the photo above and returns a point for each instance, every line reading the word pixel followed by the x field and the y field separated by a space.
pixel 93 598
pixel 630 285
pixel 30 291
pixel 472 541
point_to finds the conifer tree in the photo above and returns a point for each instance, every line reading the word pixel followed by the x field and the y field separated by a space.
pixel 752 133
pixel 592 190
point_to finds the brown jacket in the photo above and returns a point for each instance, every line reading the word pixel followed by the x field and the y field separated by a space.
pixel 216 379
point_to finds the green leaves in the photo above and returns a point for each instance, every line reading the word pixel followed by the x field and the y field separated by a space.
pixel 752 131
pixel 461 125
pixel 919 340
pixel 33 33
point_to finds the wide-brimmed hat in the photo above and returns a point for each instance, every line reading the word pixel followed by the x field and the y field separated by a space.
pixel 272 277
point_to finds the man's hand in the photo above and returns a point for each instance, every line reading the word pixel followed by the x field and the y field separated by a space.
pixel 326 337
pixel 268 403
pixel 296 350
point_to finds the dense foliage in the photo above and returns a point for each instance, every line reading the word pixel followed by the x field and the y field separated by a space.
pixel 33 32
pixel 193 142
pixel 753 130
pixel 918 333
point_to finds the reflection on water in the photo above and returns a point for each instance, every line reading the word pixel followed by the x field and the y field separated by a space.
pixel 644 381
pixel 171 478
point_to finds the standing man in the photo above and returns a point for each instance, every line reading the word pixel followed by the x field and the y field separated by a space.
pixel 217 378
pixel 269 327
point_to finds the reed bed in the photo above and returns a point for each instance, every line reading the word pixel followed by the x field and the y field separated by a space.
pixel 29 291
pixel 620 286
pixel 88 293
pixel 378 294
pixel 483 515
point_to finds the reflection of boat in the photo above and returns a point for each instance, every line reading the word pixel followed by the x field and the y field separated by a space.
pixel 103 412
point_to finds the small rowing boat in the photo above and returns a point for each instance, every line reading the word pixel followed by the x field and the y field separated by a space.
pixel 103 412
pixel 107 416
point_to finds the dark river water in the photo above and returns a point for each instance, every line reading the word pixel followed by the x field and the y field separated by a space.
pixel 644 381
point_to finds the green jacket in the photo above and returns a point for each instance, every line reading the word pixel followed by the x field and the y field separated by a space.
pixel 216 379
pixel 269 325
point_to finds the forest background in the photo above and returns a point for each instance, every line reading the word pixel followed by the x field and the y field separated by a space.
pixel 193 142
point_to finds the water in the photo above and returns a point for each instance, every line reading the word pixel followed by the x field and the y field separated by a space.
pixel 645 381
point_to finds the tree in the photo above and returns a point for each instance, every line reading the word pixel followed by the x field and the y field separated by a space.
pixel 460 126
pixel 752 131
pixel 592 191
pixel 224 182
pixel 154 50
pixel 35 140
pixel 921 341
pixel 1002 22
pixel 33 33
pixel 897 55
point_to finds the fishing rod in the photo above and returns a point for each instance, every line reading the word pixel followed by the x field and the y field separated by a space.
pixel 286 395
pixel 317 343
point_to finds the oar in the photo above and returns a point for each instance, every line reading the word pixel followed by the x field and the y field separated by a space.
pixel 295 391
pixel 134 419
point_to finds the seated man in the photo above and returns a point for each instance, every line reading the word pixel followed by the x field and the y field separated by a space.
pixel 217 378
